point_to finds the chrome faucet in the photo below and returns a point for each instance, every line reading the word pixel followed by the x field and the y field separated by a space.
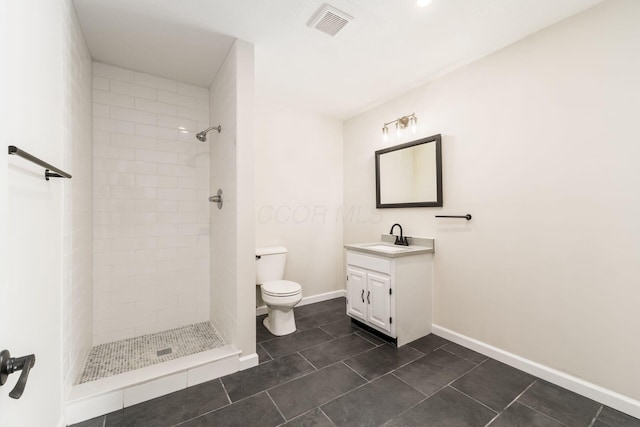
pixel 400 240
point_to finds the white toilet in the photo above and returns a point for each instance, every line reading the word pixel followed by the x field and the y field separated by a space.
pixel 279 295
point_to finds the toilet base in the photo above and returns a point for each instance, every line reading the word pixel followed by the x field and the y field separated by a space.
pixel 280 321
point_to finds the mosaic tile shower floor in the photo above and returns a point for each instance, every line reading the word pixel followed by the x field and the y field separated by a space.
pixel 122 356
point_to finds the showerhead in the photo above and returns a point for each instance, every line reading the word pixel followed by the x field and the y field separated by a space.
pixel 202 136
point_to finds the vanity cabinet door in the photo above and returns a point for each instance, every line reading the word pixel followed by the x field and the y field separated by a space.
pixel 379 301
pixel 356 293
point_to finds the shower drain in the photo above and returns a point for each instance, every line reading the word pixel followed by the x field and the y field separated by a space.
pixel 164 351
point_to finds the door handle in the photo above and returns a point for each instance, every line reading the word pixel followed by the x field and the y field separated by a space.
pixel 368 293
pixel 8 365
pixel 362 296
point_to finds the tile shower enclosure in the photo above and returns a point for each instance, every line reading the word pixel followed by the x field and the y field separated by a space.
pixel 150 208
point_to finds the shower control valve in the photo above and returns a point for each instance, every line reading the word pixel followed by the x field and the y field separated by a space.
pixel 217 198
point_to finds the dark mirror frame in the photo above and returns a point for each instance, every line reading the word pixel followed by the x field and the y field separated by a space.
pixel 436 203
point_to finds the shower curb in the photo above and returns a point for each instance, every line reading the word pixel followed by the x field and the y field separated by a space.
pixel 95 398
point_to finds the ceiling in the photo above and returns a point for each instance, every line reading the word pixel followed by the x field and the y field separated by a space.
pixel 390 47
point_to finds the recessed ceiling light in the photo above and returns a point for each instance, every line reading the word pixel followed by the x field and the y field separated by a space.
pixel 423 3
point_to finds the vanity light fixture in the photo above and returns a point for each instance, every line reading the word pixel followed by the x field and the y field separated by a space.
pixel 401 124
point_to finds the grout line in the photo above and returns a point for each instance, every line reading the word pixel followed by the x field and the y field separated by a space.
pixel 319 344
pixel 356 372
pixel 422 354
pixel 334 336
pixel 225 391
pixel 511 403
pixel 345 393
pixel 419 391
pixel 265 350
pixel 432 351
pixel 183 422
pixel 309 346
pixel 408 409
pixel 542 413
pixel 359 353
pixel 306 360
pixel 463 358
pixel 441 388
pixel 363 336
pixel 474 399
pixel 297 416
pixel 404 364
pixel 518 396
pixel 274 404
pixel 460 376
pixel 443 346
pixel 326 332
pixel 493 419
pixel 326 416
pixel 593 421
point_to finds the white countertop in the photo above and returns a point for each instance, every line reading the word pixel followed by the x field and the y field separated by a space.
pixel 386 248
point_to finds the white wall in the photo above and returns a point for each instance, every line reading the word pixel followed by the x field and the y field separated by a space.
pixel 77 272
pixel 299 194
pixel 232 227
pixel 4 205
pixel 151 215
pixel 245 187
pixel 34 102
pixel 539 145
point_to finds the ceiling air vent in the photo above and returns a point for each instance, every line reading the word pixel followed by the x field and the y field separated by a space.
pixel 329 20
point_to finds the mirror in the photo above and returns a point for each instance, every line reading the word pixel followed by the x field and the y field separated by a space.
pixel 410 175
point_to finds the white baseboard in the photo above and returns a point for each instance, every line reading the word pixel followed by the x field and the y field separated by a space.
pixel 311 299
pixel 592 391
pixel 248 361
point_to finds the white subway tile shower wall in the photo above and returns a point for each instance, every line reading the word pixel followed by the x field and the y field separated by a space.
pixel 77 259
pixel 150 208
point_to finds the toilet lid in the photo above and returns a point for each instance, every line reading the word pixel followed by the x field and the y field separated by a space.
pixel 282 288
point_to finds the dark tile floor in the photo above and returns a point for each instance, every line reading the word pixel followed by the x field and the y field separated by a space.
pixel 332 373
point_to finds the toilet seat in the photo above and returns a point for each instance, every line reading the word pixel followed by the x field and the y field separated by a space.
pixel 281 288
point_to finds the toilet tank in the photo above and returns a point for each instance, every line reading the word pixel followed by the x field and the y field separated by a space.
pixel 270 263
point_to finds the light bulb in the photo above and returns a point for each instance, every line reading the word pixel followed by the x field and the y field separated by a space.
pixel 423 3
pixel 398 131
pixel 385 133
pixel 414 124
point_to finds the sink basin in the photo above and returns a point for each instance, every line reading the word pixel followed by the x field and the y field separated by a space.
pixel 388 249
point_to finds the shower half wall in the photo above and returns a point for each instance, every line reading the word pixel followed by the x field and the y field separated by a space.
pixel 151 214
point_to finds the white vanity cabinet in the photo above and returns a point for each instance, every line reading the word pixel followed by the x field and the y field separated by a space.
pixel 390 293
pixel 369 296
